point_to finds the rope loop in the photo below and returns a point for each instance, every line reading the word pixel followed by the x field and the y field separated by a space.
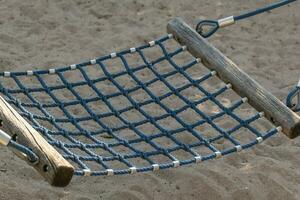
pixel 6 140
pixel 27 152
pixel 293 98
pixel 207 28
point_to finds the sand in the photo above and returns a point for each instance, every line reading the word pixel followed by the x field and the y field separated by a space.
pixel 44 34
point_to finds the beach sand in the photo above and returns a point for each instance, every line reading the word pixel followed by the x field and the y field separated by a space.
pixel 44 34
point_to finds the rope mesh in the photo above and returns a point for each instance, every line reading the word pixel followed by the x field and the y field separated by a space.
pixel 146 108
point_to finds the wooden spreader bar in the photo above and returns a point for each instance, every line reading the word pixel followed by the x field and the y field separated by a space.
pixel 51 165
pixel 243 84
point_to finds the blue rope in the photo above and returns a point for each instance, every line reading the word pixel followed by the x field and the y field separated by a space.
pixel 293 98
pixel 263 9
pixel 81 127
pixel 214 24
pixel 31 156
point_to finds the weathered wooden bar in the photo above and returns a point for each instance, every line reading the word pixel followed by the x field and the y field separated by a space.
pixel 51 165
pixel 243 84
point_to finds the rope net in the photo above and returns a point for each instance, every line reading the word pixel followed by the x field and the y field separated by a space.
pixel 142 109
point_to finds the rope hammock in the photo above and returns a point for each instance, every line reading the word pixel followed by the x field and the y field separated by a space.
pixel 151 107
pixel 145 115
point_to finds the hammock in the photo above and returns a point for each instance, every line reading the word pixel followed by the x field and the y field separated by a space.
pixel 151 107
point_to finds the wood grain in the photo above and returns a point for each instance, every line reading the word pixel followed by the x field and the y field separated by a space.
pixel 52 166
pixel 243 84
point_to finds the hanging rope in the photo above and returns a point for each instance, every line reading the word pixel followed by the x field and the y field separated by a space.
pixel 207 28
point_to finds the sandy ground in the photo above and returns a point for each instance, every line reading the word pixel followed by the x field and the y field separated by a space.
pixel 43 34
